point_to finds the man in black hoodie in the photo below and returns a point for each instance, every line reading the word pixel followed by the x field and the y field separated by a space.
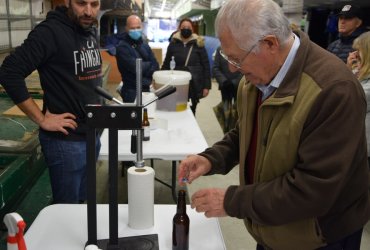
pixel 64 50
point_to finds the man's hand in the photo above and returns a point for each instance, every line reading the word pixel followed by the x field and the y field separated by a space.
pixel 192 167
pixel 210 201
pixel 205 92
pixel 48 121
pixel 353 58
pixel 60 122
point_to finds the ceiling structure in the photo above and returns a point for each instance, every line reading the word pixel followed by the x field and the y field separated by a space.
pixel 335 3
pixel 166 8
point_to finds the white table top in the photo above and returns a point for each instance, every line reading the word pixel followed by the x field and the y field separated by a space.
pixel 64 227
pixel 181 138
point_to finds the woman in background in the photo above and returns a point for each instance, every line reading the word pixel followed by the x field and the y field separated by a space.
pixel 190 55
pixel 359 62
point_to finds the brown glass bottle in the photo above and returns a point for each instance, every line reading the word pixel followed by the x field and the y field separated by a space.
pixel 146 126
pixel 180 230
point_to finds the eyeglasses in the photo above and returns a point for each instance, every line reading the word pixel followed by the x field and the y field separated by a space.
pixel 239 64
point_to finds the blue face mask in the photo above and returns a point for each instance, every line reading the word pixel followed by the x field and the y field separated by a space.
pixel 135 34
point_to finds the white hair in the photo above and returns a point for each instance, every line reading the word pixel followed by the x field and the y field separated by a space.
pixel 251 20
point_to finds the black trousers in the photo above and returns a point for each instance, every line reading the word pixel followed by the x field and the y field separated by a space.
pixel 351 242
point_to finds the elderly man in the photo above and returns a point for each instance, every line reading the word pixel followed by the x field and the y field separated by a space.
pixel 349 27
pixel 304 179
pixel 65 51
pixel 129 49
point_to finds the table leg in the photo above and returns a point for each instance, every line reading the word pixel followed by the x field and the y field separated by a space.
pixel 91 187
pixel 174 181
pixel 113 190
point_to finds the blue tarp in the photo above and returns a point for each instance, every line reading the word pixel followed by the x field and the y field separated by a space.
pixel 211 44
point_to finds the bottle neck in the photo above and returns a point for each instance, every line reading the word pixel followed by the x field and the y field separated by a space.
pixel 145 118
pixel 181 204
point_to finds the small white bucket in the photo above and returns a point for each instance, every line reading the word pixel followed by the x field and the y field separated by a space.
pixel 177 101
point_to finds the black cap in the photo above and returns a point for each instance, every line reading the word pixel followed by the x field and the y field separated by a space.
pixel 350 11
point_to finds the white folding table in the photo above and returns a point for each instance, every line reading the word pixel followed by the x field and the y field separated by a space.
pixel 64 227
pixel 173 136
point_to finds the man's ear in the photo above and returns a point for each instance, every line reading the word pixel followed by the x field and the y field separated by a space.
pixel 272 42
pixel 66 2
pixel 359 22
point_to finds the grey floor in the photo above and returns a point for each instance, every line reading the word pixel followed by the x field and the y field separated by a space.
pixel 235 235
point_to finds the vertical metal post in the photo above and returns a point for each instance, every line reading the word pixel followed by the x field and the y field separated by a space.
pixel 31 15
pixel 91 186
pixel 114 118
pixel 139 102
pixel 9 23
pixel 139 86
pixel 113 187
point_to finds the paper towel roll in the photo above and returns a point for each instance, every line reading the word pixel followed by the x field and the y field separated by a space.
pixel 140 183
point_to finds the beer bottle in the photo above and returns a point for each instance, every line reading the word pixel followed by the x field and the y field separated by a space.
pixel 146 126
pixel 180 229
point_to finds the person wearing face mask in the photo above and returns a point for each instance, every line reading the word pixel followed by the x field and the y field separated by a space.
pixel 65 51
pixel 189 53
pixel 131 47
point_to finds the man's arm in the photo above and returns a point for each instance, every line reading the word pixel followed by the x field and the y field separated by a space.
pixel 126 61
pixel 151 64
pixel 49 121
pixel 26 58
pixel 307 190
pixel 206 69
pixel 30 108
pixel 35 51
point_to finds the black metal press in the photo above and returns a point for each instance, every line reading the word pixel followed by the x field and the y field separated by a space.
pixel 115 117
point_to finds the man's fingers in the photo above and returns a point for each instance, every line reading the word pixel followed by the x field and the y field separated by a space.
pixel 215 213
pixel 64 131
pixel 70 123
pixel 68 115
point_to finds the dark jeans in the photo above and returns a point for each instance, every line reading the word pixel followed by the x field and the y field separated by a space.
pixel 229 92
pixel 66 161
pixel 129 95
pixel 193 107
pixel 351 242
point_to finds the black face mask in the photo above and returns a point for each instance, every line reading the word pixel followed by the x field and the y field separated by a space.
pixel 186 33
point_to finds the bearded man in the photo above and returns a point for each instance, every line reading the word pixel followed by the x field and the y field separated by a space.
pixel 65 52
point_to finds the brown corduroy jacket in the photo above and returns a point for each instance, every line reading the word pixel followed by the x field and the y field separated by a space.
pixel 311 179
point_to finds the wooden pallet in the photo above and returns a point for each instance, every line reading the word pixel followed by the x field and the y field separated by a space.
pixel 15 111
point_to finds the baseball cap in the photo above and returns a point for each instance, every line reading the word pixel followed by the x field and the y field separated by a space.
pixel 350 11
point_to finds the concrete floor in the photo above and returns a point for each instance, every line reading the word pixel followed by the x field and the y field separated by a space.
pixel 235 235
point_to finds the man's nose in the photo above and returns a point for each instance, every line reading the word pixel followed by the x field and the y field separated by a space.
pixel 88 10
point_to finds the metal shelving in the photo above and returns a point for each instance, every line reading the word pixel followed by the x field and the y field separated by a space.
pixel 17 19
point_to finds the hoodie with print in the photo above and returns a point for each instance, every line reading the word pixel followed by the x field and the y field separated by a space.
pixel 68 61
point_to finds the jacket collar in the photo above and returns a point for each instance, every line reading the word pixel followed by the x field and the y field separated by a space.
pixel 194 38
pixel 349 39
pixel 290 85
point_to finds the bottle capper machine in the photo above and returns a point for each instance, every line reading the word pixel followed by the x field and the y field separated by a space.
pixel 115 117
